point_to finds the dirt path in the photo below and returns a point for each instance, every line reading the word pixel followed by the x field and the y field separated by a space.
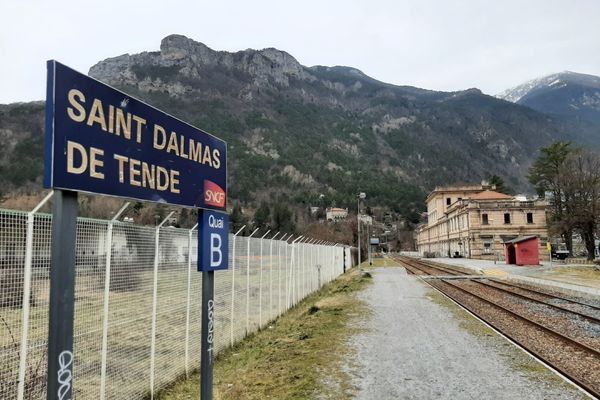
pixel 418 345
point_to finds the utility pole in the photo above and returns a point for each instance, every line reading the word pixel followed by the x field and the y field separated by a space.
pixel 361 195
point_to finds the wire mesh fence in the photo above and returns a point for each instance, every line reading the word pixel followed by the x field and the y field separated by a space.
pixel 137 301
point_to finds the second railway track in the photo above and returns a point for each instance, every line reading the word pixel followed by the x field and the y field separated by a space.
pixel 565 336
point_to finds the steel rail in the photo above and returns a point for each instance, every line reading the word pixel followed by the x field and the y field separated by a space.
pixel 540 292
pixel 529 298
pixel 588 317
pixel 574 343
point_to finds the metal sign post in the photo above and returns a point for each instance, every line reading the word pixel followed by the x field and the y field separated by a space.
pixel 208 334
pixel 62 296
pixel 102 141
pixel 213 249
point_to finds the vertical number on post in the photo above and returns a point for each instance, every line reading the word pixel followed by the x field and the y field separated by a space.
pixel 211 330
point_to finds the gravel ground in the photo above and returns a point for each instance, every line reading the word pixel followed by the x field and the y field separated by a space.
pixel 561 321
pixel 418 345
pixel 567 356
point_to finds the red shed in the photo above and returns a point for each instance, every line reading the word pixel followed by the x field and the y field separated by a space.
pixel 524 250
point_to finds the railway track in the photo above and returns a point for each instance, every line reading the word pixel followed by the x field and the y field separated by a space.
pixel 562 332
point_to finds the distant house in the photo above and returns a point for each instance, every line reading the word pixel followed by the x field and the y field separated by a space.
pixel 475 221
pixel 314 210
pixel 366 219
pixel 336 214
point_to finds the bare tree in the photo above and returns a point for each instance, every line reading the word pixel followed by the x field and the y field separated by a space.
pixel 544 174
pixel 579 179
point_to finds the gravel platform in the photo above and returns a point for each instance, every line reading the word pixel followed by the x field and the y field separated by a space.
pixel 418 345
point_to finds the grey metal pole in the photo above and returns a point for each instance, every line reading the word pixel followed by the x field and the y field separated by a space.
pixel 62 295
pixel 369 244
pixel 358 223
pixel 208 327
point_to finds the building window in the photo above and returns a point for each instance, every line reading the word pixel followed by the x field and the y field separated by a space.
pixel 530 218
pixel 507 218
pixel 448 201
pixel 487 247
pixel 484 219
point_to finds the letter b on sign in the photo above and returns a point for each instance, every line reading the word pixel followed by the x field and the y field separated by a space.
pixel 216 254
pixel 213 240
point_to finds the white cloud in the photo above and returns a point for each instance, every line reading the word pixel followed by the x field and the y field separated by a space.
pixel 442 45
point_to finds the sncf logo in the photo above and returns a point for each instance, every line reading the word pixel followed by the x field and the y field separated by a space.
pixel 214 195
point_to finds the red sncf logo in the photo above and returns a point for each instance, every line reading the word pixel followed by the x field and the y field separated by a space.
pixel 214 195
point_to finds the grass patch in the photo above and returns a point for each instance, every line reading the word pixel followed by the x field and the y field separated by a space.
pixel 293 356
pixel 579 275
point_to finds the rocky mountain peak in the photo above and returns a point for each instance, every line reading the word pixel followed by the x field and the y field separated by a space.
pixel 185 57
pixel 179 47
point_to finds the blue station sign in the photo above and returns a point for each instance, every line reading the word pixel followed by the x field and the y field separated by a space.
pixel 213 240
pixel 101 140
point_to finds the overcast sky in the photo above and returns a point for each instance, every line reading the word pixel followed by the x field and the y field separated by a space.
pixel 441 45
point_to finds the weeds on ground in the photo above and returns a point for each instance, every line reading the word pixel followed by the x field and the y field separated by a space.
pixel 297 357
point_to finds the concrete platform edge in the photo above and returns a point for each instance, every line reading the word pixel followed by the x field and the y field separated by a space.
pixel 566 288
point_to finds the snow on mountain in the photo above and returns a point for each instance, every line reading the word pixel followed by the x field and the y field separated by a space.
pixel 554 81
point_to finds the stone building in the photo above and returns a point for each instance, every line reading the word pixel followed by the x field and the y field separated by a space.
pixel 336 214
pixel 475 221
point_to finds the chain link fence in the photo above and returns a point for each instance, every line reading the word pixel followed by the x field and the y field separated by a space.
pixel 137 305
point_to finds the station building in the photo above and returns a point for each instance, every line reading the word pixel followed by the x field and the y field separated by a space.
pixel 475 221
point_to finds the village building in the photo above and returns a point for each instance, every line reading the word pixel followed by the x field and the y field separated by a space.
pixel 366 219
pixel 475 221
pixel 336 214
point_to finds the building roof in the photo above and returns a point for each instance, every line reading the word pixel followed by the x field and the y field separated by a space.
pixel 490 195
pixel 520 239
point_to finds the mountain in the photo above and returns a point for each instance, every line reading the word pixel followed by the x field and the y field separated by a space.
pixel 568 95
pixel 295 133
pixel 22 150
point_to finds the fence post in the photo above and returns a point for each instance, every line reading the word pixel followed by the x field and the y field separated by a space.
pixel 271 275
pixel 304 249
pixel 248 283
pixel 293 272
pixel 260 284
pixel 287 272
pixel 154 302
pixel 109 234
pixel 187 308
pixel 233 283
pixel 27 296
pixel 304 246
pixel 309 263
pixel 317 262
pixel 279 274
pixel 300 269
